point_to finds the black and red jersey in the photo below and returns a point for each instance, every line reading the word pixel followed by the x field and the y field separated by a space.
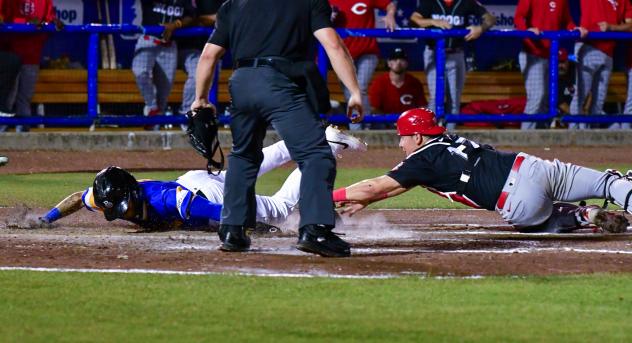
pixel 458 13
pixel 439 164
pixel 158 12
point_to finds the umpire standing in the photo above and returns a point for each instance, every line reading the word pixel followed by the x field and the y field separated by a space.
pixel 276 82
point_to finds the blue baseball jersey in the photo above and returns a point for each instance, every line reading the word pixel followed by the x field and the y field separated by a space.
pixel 168 205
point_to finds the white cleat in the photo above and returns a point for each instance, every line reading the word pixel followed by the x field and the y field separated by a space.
pixel 340 141
pixel 3 160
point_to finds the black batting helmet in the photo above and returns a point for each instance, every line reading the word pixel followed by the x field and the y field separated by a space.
pixel 114 189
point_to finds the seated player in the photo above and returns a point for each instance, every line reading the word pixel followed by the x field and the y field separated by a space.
pixel 522 188
pixel 192 201
pixel 397 90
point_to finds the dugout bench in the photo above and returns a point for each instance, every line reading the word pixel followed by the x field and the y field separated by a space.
pixel 61 86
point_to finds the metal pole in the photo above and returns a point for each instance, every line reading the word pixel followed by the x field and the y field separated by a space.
pixel 93 75
pixel 323 62
pixel 440 77
pixel 212 95
pixel 553 75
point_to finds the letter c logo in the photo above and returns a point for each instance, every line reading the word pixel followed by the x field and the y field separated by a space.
pixel 360 8
pixel 406 99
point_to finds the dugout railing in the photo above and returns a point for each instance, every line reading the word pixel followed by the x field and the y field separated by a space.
pixel 92 117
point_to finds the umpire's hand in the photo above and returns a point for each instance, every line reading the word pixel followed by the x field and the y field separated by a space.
pixel 355 111
pixel 202 103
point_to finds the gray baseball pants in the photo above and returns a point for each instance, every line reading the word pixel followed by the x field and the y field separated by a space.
pixel 593 75
pixel 454 77
pixel 538 183
pixel 628 101
pixel 365 67
pixel 189 60
pixel 535 70
pixel 154 67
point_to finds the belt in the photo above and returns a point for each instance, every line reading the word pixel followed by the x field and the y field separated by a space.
pixel 514 169
pixel 260 61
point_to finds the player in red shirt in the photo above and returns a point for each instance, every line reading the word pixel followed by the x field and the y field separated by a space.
pixel 594 58
pixel 360 14
pixel 29 48
pixel 538 16
pixel 396 91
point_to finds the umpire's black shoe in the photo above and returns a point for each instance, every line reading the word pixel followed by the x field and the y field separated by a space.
pixel 233 237
pixel 319 239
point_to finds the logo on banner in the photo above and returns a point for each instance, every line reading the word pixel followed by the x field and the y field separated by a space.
pixel 360 8
pixel 70 11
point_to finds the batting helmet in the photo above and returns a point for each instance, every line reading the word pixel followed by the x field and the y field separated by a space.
pixel 418 120
pixel 114 189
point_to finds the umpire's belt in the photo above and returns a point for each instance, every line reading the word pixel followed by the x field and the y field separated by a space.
pixel 261 61
pixel 514 169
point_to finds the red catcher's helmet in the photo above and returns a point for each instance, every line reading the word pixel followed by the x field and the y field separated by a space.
pixel 418 120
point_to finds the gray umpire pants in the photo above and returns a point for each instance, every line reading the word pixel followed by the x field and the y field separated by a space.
pixel 535 70
pixel 261 96
pixel 593 75
pixel 454 80
pixel 538 183
pixel 365 67
pixel 154 67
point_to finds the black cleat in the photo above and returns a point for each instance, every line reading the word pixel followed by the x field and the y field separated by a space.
pixel 319 239
pixel 233 237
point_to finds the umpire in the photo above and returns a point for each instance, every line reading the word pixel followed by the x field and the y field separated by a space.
pixel 276 82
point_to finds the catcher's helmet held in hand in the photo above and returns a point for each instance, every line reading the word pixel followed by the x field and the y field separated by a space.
pixel 114 190
pixel 419 121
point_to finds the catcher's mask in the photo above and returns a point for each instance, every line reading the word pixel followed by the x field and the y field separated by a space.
pixel 114 190
pixel 418 121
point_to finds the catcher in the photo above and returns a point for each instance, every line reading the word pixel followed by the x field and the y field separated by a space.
pixel 194 200
pixel 522 188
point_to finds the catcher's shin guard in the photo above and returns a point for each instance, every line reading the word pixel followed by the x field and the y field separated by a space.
pixel 617 179
pixel 565 218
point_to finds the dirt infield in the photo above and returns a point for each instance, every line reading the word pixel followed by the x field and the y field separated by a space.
pixel 385 242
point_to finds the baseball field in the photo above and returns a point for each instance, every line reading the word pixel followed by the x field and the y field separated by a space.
pixel 422 268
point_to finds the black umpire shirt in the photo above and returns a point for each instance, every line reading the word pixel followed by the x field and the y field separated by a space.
pixel 203 8
pixel 266 28
pixel 156 12
pixel 438 166
pixel 458 14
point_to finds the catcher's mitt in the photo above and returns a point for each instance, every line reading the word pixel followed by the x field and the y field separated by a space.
pixel 202 132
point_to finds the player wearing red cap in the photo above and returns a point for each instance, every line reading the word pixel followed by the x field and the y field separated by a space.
pixel 538 16
pixel 522 188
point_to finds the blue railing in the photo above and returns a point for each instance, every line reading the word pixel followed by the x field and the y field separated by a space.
pixel 93 31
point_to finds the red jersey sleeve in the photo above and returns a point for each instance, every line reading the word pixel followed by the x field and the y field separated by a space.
pixel 627 10
pixel 520 17
pixel 381 4
pixel 567 20
pixel 49 13
pixel 419 89
pixel 375 93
